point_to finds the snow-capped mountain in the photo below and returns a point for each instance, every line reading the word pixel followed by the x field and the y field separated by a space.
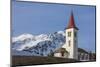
pixel 38 45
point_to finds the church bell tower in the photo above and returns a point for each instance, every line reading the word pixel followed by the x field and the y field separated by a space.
pixel 71 44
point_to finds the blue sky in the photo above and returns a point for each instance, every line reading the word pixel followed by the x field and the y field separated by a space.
pixel 39 18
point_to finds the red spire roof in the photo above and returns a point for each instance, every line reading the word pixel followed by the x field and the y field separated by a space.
pixel 71 22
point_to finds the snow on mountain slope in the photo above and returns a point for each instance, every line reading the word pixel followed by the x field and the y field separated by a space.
pixel 41 45
pixel 22 37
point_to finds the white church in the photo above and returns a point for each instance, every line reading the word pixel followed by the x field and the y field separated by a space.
pixel 70 48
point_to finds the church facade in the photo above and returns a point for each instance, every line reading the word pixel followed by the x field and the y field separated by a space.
pixel 70 48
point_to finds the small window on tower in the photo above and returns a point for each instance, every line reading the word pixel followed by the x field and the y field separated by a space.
pixel 75 34
pixel 69 43
pixel 69 34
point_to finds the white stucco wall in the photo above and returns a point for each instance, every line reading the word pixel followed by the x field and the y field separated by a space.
pixel 73 49
pixel 83 56
pixel 57 54
pixel 60 55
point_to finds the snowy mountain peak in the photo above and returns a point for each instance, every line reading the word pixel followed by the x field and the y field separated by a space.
pixel 61 32
pixel 42 37
pixel 43 44
pixel 22 37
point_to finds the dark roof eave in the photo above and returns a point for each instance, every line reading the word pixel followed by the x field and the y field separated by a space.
pixel 82 50
pixel 72 27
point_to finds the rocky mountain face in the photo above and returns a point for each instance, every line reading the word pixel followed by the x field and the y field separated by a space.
pixel 37 45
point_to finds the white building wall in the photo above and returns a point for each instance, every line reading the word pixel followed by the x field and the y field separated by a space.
pixel 57 54
pixel 73 48
pixel 60 55
pixel 83 56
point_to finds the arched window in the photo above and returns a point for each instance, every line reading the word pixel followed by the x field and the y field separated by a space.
pixel 62 53
pixel 69 34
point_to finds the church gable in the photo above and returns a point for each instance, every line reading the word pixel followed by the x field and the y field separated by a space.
pixel 61 52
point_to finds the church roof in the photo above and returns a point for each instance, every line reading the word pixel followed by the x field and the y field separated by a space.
pixel 82 50
pixel 71 23
pixel 60 50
